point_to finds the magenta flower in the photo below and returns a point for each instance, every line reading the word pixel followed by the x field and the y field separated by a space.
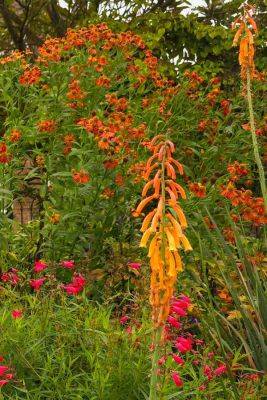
pixel 79 280
pixel 3 369
pixel 207 370
pixel 177 379
pixel 173 322
pixel 178 310
pixel 16 314
pixel 71 289
pixel 177 359
pixel 11 276
pixel 134 265
pixel 124 319
pixel 77 284
pixel 220 370
pixel 3 382
pixel 183 345
pixel 68 264
pixel 37 283
pixel 39 266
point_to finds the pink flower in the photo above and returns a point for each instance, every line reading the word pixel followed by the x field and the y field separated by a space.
pixel 71 289
pixel 39 266
pixel 162 360
pixel 3 369
pixel 186 299
pixel 69 264
pixel 10 276
pixel 202 388
pixel 16 314
pixel 129 330
pixel 183 345
pixel 134 265
pixel 208 372
pixel 79 280
pixel 76 286
pixel 177 379
pixel 181 304
pixel 178 310
pixel 3 382
pixel 220 370
pixel 173 322
pixel 37 283
pixel 124 319
pixel 177 359
pixel 9 376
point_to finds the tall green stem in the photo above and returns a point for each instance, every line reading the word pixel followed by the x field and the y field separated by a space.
pixel 255 142
pixel 154 367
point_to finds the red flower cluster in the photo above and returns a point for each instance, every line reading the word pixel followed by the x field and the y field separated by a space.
pixel 75 93
pixel 198 189
pixel 30 76
pixel 237 170
pixel 5 374
pixel 76 286
pixel 15 136
pixel 46 126
pixel 251 208
pixel 68 141
pixel 10 277
pixel 81 177
pixel 225 104
pixel 4 158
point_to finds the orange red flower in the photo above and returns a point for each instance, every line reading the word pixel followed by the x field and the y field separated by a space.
pixel 30 76
pixel 81 177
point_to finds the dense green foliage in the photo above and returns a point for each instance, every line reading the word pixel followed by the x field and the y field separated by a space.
pixel 76 123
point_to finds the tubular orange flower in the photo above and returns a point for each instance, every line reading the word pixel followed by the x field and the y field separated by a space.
pixel 244 36
pixel 163 226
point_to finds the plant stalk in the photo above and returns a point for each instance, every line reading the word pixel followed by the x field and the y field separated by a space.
pixel 255 141
pixel 154 367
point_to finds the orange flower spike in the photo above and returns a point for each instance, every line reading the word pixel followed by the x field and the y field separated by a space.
pixel 178 165
pixel 178 261
pixel 143 204
pixel 171 240
pixel 176 226
pixel 158 137
pixel 179 213
pixel 171 146
pixel 161 152
pixel 146 237
pixel 172 194
pixel 175 186
pixel 150 160
pixel 186 244
pixel 149 170
pixel 147 187
pixel 170 170
pixel 147 220
pixel 238 33
pixel 157 183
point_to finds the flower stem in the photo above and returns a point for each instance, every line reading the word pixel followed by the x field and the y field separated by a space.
pixel 154 376
pixel 255 142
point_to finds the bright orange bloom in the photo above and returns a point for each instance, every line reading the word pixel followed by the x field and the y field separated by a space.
pixel 47 125
pixel 15 135
pixel 30 76
pixel 81 177
pixel 198 189
pixel 162 227
pixel 244 35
